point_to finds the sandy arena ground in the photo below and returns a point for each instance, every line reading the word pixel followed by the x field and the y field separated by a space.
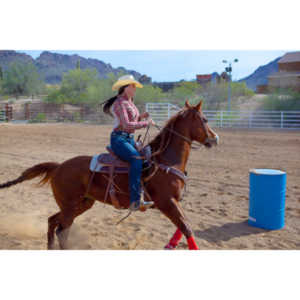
pixel 216 202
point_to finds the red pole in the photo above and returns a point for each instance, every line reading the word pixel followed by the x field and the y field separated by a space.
pixel 8 112
pixel 27 112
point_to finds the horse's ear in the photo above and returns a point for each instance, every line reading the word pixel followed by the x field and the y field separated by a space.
pixel 187 104
pixel 199 105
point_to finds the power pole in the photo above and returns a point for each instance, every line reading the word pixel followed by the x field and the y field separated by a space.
pixel 228 71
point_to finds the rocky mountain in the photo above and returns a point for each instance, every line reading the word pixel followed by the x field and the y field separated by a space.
pixel 260 75
pixel 51 66
pixel 8 56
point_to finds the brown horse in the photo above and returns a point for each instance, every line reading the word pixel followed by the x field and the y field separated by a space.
pixel 170 152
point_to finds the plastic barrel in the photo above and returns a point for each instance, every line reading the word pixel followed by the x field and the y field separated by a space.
pixel 267 198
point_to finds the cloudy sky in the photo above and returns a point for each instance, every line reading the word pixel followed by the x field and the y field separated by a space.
pixel 174 65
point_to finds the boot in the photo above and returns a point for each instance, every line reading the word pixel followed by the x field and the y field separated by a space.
pixel 146 166
pixel 142 205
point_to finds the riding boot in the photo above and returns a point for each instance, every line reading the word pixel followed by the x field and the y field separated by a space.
pixel 141 205
pixel 146 166
pixel 134 206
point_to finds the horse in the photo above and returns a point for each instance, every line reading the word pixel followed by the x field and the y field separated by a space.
pixel 170 150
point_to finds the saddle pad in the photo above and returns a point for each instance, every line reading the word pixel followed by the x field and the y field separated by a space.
pixel 108 159
pixel 94 164
pixel 97 167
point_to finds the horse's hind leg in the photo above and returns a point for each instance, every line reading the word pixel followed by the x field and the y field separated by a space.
pixel 62 233
pixel 53 222
pixel 67 220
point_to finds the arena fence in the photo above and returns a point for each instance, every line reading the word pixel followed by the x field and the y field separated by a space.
pixel 6 113
pixel 233 119
pixel 39 112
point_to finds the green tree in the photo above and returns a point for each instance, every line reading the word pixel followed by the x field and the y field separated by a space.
pixel 1 77
pixel 76 82
pixel 78 64
pixel 184 90
pixel 84 86
pixel 81 86
pixel 282 100
pixel 149 93
pixel 240 89
pixel 22 79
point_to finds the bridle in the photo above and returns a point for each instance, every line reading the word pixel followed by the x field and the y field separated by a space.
pixel 175 132
pixel 198 144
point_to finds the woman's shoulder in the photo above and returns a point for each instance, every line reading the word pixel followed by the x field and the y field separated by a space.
pixel 122 101
pixel 119 102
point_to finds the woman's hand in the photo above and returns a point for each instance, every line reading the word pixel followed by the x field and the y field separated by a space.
pixel 151 123
pixel 144 115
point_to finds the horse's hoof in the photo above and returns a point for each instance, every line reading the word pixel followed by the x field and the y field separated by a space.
pixel 50 247
pixel 170 247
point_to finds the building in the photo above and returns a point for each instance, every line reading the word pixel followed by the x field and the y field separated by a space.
pixel 204 79
pixel 288 75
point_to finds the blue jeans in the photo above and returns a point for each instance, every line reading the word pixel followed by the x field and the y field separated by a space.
pixel 123 146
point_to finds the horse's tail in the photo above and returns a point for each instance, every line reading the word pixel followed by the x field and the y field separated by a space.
pixel 45 169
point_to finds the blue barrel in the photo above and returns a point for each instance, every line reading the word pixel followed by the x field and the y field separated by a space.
pixel 267 198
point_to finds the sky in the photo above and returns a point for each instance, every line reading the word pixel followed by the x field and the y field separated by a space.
pixel 174 65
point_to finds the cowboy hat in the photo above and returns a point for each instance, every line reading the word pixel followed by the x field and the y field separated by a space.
pixel 125 80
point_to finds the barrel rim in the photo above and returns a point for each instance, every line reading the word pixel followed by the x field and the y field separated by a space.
pixel 266 172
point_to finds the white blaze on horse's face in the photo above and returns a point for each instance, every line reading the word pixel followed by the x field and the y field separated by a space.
pixel 214 139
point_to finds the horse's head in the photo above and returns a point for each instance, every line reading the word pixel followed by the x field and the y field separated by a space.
pixel 197 124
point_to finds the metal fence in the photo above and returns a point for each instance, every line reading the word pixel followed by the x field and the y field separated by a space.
pixel 233 119
pixel 160 112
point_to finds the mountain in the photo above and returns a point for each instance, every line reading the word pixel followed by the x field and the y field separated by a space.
pixel 51 66
pixel 260 75
pixel 8 56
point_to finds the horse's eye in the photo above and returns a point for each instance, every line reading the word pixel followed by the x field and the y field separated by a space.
pixel 205 120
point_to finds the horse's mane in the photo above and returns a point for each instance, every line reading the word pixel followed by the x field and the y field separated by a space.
pixel 162 139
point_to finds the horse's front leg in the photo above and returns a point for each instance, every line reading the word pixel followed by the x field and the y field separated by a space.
pixel 174 240
pixel 173 211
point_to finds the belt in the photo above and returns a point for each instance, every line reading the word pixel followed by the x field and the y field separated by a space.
pixel 124 133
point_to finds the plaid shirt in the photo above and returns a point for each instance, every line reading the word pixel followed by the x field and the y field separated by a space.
pixel 127 116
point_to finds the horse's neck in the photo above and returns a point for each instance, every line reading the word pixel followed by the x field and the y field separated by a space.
pixel 177 152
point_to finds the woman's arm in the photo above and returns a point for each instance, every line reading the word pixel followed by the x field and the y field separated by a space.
pixel 144 115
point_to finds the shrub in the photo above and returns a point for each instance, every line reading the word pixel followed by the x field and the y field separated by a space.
pixel 282 100
pixel 40 118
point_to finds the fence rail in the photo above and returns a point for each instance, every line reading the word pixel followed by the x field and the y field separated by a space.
pixel 40 112
pixel 160 112
pixel 233 119
pixel 6 112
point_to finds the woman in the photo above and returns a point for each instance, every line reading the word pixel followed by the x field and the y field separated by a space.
pixel 127 120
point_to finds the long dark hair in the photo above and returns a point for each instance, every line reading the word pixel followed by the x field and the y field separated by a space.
pixel 108 103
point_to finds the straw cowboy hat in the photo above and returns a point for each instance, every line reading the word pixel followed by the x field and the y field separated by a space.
pixel 125 80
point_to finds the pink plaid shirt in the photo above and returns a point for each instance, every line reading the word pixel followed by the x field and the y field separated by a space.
pixel 126 116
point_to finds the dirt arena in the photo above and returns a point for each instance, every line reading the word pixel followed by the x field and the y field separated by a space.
pixel 216 202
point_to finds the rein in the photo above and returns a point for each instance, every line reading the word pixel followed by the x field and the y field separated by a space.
pixel 181 136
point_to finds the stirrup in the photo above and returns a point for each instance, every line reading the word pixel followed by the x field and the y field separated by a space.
pixel 143 205
pixel 146 166
pixel 146 204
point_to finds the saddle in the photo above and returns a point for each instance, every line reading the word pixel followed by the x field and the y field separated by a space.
pixel 111 164
pixel 109 159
